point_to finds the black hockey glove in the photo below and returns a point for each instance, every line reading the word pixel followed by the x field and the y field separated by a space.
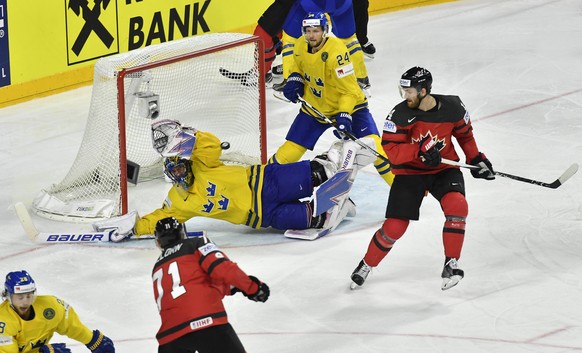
pixel 262 293
pixel 486 171
pixel 294 87
pixel 428 152
pixel 100 343
pixel 54 348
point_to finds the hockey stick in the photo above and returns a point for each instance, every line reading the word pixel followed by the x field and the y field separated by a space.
pixel 346 133
pixel 553 185
pixel 72 237
pixel 243 77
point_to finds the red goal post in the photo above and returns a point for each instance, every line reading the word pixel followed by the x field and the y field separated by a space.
pixel 178 80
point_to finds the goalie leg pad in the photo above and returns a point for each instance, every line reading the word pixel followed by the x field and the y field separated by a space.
pixel 338 213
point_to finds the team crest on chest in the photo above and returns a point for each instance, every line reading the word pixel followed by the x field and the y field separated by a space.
pixel 48 313
pixel 439 143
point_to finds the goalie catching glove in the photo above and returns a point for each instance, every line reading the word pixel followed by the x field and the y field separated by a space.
pixel 124 226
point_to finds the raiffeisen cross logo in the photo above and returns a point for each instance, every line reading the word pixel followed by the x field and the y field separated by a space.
pixel 91 29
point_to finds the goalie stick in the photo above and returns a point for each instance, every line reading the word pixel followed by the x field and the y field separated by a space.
pixel 72 237
pixel 553 185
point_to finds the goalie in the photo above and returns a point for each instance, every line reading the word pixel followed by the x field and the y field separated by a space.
pixel 258 196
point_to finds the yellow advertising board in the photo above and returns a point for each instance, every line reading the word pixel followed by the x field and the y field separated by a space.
pixel 51 45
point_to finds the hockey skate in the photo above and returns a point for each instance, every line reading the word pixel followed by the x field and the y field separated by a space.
pixel 360 274
pixel 277 70
pixel 279 87
pixel 369 49
pixel 452 274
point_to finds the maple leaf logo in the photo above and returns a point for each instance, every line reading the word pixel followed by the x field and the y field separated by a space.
pixel 440 144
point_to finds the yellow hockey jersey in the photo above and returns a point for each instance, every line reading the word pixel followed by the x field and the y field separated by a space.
pixel 330 82
pixel 228 192
pixel 51 315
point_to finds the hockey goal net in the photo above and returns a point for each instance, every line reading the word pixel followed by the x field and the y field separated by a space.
pixel 179 80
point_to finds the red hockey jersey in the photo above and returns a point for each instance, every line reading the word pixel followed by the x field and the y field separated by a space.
pixel 405 127
pixel 190 279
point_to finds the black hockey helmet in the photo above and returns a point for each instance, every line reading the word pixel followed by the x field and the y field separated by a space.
pixel 417 77
pixel 169 231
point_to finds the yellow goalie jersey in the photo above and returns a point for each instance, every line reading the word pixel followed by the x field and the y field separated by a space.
pixel 330 82
pixel 50 315
pixel 228 192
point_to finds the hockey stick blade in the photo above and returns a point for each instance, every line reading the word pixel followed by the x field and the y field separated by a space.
pixel 553 185
pixel 25 220
pixel 279 95
pixel 568 173
pixel 243 77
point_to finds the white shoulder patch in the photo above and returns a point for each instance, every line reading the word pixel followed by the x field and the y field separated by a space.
pixel 5 340
pixel 344 70
pixel 208 248
pixel 389 126
pixel 466 117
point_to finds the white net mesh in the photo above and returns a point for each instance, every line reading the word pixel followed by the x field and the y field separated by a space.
pixel 192 91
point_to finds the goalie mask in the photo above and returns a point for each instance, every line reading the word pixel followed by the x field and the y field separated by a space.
pixel 170 138
pixel 169 231
pixel 179 170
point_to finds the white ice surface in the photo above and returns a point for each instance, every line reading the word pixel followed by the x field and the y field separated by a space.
pixel 517 67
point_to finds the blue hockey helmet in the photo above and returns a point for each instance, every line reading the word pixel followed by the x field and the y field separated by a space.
pixel 18 282
pixel 169 231
pixel 179 170
pixel 316 19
